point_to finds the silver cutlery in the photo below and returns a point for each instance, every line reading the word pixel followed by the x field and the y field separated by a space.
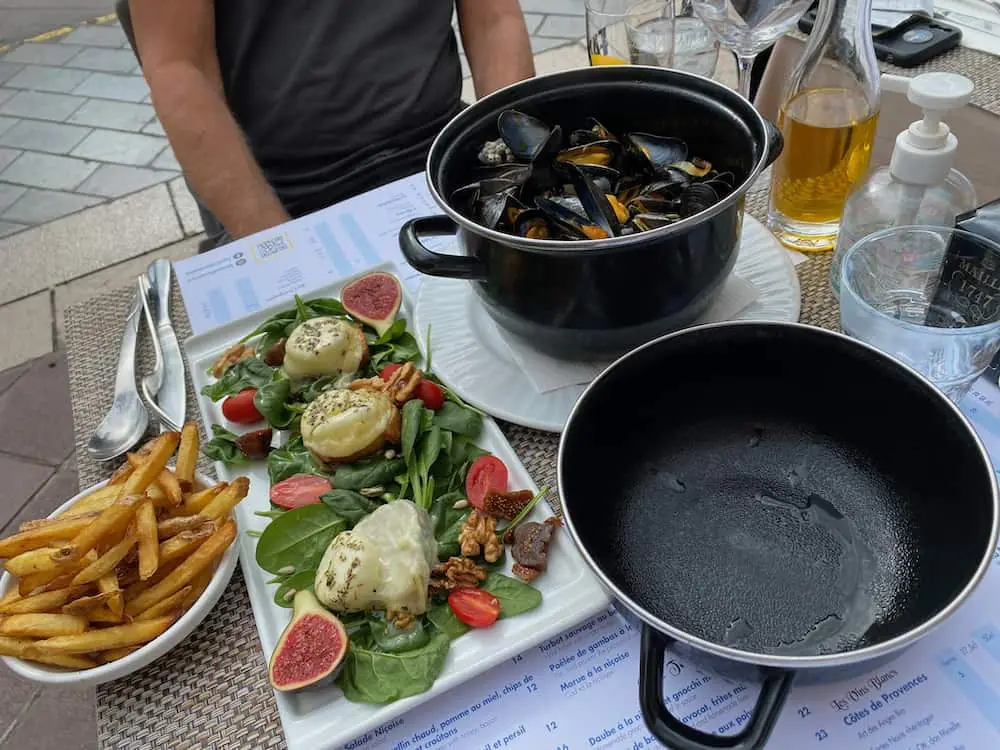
pixel 166 383
pixel 127 419
pixel 152 382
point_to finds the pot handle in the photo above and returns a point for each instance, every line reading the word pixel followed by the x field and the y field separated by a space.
pixel 673 733
pixel 437 264
pixel 775 142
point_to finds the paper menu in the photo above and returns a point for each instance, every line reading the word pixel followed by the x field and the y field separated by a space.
pixel 250 274
pixel 580 690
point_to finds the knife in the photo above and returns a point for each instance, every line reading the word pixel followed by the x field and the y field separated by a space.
pixel 171 393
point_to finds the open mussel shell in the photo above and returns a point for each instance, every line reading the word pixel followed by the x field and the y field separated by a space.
pixel 697 197
pixel 694 168
pixel 593 131
pixel 647 222
pixel 647 204
pixel 594 201
pixel 534 224
pixel 659 152
pixel 493 207
pixel 596 153
pixel 574 225
pixel 523 134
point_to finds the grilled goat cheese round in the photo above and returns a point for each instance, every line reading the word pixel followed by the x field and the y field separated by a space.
pixel 324 346
pixel 340 423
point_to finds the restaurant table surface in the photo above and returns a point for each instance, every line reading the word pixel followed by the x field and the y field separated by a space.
pixel 212 689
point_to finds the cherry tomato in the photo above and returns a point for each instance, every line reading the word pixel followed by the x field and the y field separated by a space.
pixel 475 607
pixel 299 490
pixel 388 370
pixel 240 408
pixel 486 473
pixel 431 394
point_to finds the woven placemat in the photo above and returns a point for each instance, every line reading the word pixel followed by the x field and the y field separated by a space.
pixel 212 689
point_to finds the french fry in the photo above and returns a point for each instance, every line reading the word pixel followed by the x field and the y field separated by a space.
pixel 168 489
pixel 82 605
pixel 128 573
pixel 108 584
pixel 54 579
pixel 226 500
pixel 172 604
pixel 12 646
pixel 70 661
pixel 169 527
pixel 43 522
pixel 106 563
pixel 195 502
pixel 182 544
pixel 152 465
pixel 112 521
pixel 46 601
pixel 62 528
pixel 114 654
pixel 97 500
pixel 207 553
pixel 187 456
pixel 105 639
pixel 42 625
pixel 198 586
pixel 33 561
pixel 149 547
pixel 104 616
pixel 11 596
pixel 122 473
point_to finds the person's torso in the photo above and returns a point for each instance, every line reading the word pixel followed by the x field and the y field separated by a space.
pixel 323 87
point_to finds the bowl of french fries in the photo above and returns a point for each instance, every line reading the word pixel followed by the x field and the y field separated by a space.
pixel 122 572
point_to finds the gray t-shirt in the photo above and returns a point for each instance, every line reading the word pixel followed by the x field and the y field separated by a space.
pixel 337 96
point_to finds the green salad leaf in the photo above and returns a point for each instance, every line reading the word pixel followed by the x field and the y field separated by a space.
pixel 385 636
pixel 271 401
pixel 373 472
pixel 459 419
pixel 247 373
pixel 445 621
pixel 447 521
pixel 223 447
pixel 516 597
pixel 298 538
pixel 295 582
pixel 350 505
pixel 371 676
pixel 290 460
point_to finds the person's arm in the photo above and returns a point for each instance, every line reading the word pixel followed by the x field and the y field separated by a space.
pixel 496 42
pixel 176 43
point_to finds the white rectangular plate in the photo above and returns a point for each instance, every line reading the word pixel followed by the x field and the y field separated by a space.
pixel 323 718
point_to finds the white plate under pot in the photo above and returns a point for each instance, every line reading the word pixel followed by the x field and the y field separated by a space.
pixel 471 357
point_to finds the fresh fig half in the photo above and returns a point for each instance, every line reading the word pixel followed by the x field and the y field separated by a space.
pixel 311 648
pixel 374 299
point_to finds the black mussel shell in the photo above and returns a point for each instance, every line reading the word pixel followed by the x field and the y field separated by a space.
pixel 495 185
pixel 598 129
pixel 659 152
pixel 517 173
pixel 697 197
pixel 647 204
pixel 524 135
pixel 722 182
pixel 695 168
pixel 575 226
pixel 570 203
pixel 596 153
pixel 465 197
pixel 595 203
pixel 646 222
pixel 492 208
pixel 533 224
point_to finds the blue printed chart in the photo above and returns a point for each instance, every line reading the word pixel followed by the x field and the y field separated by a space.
pixel 247 275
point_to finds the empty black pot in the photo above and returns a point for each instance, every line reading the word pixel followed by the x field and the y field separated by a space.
pixel 592 299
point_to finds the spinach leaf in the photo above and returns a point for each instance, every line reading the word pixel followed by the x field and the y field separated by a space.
pixel 516 597
pixel 463 453
pixel 447 522
pixel 442 467
pixel 247 373
pixel 376 677
pixel 413 412
pixel 274 327
pixel 458 419
pixel 271 399
pixel 371 473
pixel 430 448
pixel 350 506
pixel 295 582
pixel 302 312
pixel 291 460
pixel 392 640
pixel 327 306
pixel 222 447
pixel 397 329
pixel 298 538
pixel 405 349
pixel 445 621
pixel 310 389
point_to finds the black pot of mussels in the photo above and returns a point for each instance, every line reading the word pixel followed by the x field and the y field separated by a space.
pixel 597 208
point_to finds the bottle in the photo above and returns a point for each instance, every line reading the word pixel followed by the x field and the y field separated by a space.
pixel 919 186
pixel 828 117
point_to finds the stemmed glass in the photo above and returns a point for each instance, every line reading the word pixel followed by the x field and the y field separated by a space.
pixel 748 27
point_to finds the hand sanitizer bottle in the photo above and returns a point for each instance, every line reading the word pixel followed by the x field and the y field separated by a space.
pixel 919 186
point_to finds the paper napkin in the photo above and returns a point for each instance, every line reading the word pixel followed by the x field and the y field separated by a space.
pixel 550 374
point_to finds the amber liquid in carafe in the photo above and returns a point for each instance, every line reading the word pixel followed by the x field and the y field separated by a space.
pixel 828 136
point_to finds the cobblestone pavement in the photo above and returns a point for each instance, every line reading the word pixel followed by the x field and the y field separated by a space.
pixel 77 128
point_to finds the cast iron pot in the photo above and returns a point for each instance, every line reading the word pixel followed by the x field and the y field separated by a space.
pixel 598 298
pixel 777 496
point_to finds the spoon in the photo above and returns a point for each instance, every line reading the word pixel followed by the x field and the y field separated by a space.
pixel 127 419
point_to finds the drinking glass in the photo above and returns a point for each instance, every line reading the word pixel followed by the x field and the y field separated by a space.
pixel 696 50
pixel 649 28
pixel 748 27
pixel 607 37
pixel 927 296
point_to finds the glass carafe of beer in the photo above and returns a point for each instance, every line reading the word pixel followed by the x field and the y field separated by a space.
pixel 828 116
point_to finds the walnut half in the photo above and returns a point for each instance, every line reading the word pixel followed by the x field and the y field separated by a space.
pixel 230 357
pixel 400 387
pixel 455 573
pixel 479 534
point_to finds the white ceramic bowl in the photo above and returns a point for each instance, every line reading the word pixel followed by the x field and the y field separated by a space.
pixel 149 652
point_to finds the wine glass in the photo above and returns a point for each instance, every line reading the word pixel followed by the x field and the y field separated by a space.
pixel 748 27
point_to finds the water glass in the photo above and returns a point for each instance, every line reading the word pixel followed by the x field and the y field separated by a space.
pixel 696 50
pixel 607 37
pixel 649 27
pixel 928 296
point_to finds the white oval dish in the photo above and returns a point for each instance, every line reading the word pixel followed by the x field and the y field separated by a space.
pixel 149 652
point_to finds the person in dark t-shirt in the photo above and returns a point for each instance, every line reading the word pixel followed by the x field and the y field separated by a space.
pixel 277 108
